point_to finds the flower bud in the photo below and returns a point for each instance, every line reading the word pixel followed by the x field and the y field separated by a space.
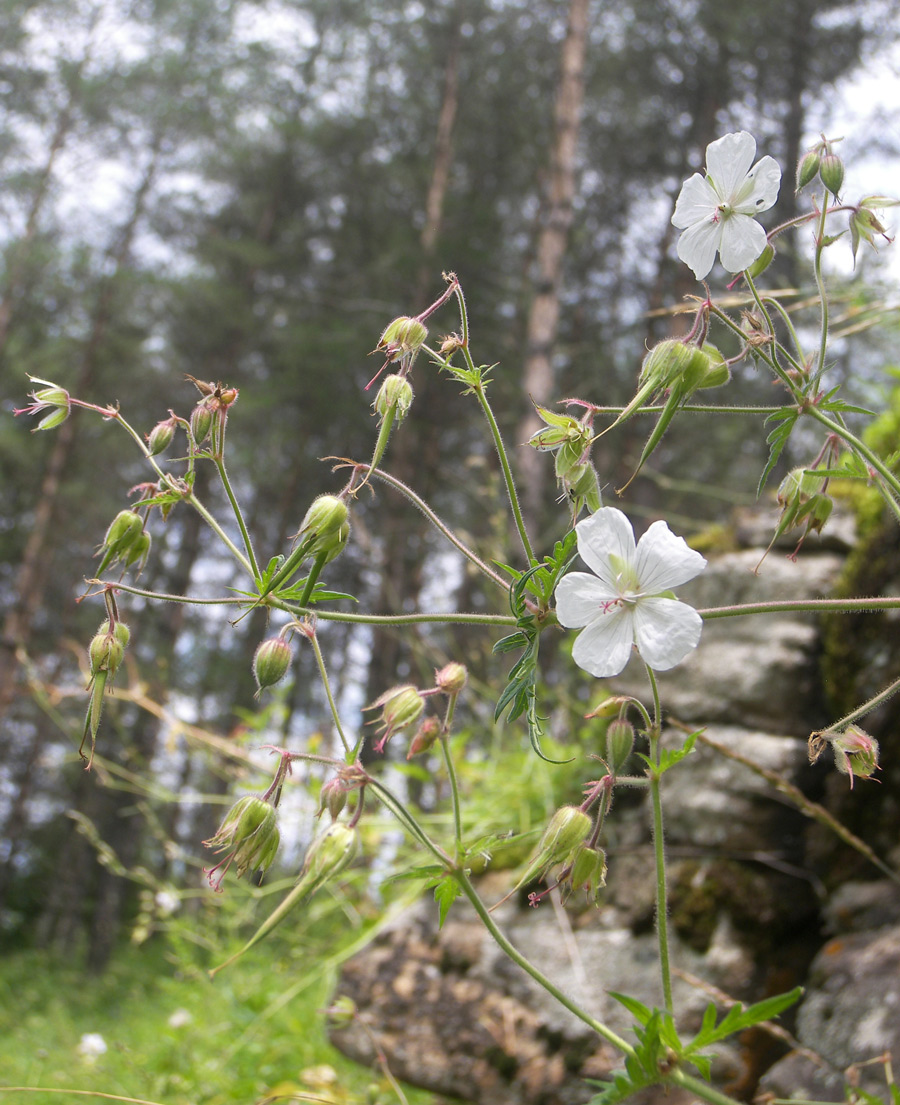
pixel 333 797
pixel 123 531
pixel 582 486
pixel 51 398
pixel 105 653
pixel 201 422
pixel 451 678
pixel 250 836
pixel 568 828
pixel 341 1012
pixel 672 362
pixel 424 738
pixel 588 871
pixel 807 168
pixel 395 394
pixel 326 515
pixel 401 706
pixel 329 853
pixel 402 338
pixel 831 172
pixel 160 437
pixel 619 744
pixel 717 371
pixel 855 753
pixel 271 662
pixel 138 551
pixel 762 262
pixel 121 631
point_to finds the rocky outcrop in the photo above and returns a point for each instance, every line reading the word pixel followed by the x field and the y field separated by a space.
pixel 751 912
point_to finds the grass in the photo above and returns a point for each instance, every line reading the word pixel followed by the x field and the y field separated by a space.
pixel 172 1036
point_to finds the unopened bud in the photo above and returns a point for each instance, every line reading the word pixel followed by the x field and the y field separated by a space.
pixel 402 338
pixel 123 531
pixel 568 827
pixel 121 631
pixel 609 707
pixel 424 737
pixel 808 168
pixel 250 836
pixel 717 372
pixel 855 753
pixel 672 362
pixel 138 551
pixel 329 853
pixel 271 662
pixel 395 394
pixel 326 514
pixel 160 437
pixel 619 744
pixel 341 1012
pixel 201 422
pixel 451 678
pixel 105 653
pixel 831 172
pixel 582 485
pixel 401 706
pixel 762 262
pixel 333 797
pixel 588 871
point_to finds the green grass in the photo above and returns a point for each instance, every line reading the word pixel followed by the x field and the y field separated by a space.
pixel 252 1032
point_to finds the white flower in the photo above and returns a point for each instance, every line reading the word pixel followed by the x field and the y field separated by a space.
pixel 180 1018
pixel 167 902
pixel 625 602
pixel 91 1046
pixel 716 213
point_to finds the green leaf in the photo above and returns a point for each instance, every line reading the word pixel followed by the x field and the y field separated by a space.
pixel 777 440
pixel 445 894
pixel 637 1009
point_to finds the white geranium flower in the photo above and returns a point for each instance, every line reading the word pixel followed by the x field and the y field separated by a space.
pixel 716 212
pixel 626 601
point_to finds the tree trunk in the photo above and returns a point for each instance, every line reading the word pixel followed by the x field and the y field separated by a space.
pixel 543 318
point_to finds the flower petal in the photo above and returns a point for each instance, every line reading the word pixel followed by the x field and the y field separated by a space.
pixel 760 187
pixel 696 201
pixel 664 561
pixel 665 630
pixel 579 599
pixel 606 533
pixel 698 244
pixel 743 240
pixel 728 161
pixel 604 647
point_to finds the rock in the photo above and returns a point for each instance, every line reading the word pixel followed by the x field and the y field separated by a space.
pixel 851 1015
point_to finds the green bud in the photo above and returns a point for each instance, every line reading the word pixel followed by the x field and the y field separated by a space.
pixel 138 551
pixel 160 437
pixel 341 1012
pixel 588 871
pixel 121 631
pixel 201 422
pixel 619 744
pixel 569 827
pixel 451 678
pixel 807 168
pixel 582 486
pixel 855 753
pixel 424 738
pixel 333 797
pixel 395 394
pixel 762 262
pixel 717 370
pixel 270 662
pixel 402 338
pixel 250 836
pixel 329 854
pixel 123 531
pixel 326 514
pixel 51 398
pixel 105 653
pixel 401 707
pixel 672 362
pixel 831 172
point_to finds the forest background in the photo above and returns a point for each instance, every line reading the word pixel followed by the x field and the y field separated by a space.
pixel 248 192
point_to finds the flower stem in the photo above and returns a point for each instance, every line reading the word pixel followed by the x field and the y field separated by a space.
pixel 659 851
pixel 323 675
pixel 239 517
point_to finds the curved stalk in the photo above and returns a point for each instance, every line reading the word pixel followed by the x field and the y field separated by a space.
pixel 659 849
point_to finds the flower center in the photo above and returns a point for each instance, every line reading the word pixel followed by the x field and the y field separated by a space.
pixel 626 579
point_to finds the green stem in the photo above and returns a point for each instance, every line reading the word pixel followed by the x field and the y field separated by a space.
pixel 823 297
pixel 396 619
pixel 239 517
pixel 857 446
pixel 314 572
pixel 323 675
pixel 700 1088
pixel 866 708
pixel 440 526
pixel 516 956
pixel 802 606
pixel 659 849
pixel 451 771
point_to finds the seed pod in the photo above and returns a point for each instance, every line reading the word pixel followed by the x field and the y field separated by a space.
pixel 160 437
pixel 271 662
pixel 201 422
pixel 808 168
pixel 831 172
